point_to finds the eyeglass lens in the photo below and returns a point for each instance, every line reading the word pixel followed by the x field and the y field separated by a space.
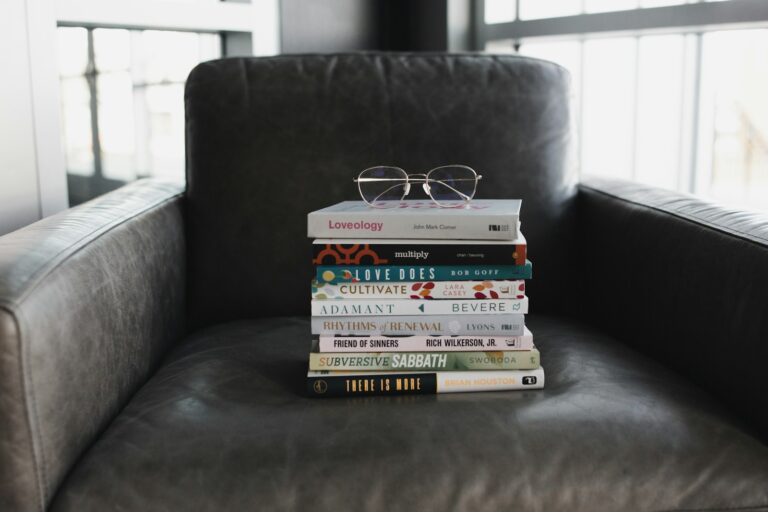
pixel 381 184
pixel 450 184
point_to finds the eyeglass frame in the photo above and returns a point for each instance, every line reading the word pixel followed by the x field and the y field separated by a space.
pixel 422 178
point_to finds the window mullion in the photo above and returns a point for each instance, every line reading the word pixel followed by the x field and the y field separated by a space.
pixel 635 111
pixel 693 167
pixel 141 127
pixel 580 110
pixel 91 75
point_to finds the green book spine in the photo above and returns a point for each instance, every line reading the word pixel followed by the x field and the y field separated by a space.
pixel 425 361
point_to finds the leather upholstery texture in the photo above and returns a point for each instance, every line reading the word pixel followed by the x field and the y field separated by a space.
pixel 649 308
pixel 89 301
pixel 271 139
pixel 225 426
pixel 684 281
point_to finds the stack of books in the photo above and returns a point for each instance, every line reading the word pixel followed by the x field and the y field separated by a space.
pixel 417 299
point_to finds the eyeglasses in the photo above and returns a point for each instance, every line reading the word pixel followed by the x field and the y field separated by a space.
pixel 449 186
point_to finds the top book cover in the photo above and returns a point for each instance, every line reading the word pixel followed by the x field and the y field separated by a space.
pixel 481 219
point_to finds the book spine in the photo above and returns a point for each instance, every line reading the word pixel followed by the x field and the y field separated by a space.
pixel 378 307
pixel 424 225
pixel 422 254
pixel 421 290
pixel 328 385
pixel 424 343
pixel 489 381
pixel 439 325
pixel 373 273
pixel 444 361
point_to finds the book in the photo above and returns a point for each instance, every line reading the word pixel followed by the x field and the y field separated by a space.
pixel 420 290
pixel 381 307
pixel 482 219
pixel 479 325
pixel 419 252
pixel 338 384
pixel 443 361
pixel 389 273
pixel 327 343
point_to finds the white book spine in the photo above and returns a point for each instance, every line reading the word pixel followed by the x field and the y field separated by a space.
pixel 422 290
pixel 493 380
pixel 424 343
pixel 446 325
pixel 423 225
pixel 368 307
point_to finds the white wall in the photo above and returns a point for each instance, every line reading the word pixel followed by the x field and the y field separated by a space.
pixel 32 176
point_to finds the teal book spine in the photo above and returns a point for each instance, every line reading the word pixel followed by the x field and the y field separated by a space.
pixel 334 274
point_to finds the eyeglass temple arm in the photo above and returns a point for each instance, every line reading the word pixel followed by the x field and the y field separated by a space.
pixel 411 179
pixel 426 180
pixel 461 194
pixel 364 180
pixel 385 191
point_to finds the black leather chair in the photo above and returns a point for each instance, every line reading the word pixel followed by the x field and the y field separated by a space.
pixel 153 342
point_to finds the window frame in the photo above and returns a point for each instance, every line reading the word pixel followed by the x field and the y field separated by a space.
pixel 672 19
pixel 35 69
pixel 695 19
pixel 82 187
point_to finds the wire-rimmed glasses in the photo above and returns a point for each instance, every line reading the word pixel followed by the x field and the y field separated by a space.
pixel 449 186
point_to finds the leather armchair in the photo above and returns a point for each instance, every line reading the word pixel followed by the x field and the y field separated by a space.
pixel 153 342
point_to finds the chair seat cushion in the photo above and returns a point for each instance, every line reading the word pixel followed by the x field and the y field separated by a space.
pixel 225 424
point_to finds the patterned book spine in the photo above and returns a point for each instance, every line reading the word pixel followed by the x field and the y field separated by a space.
pixel 424 343
pixel 441 325
pixel 339 384
pixel 421 290
pixel 386 273
pixel 353 253
pixel 378 307
pixel 415 361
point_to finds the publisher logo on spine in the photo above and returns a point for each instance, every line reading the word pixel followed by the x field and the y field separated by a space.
pixel 529 381
pixel 498 227
pixel 320 386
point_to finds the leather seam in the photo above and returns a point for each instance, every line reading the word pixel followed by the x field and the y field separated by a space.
pixel 14 309
pixel 410 55
pixel 62 256
pixel 40 479
pixel 756 239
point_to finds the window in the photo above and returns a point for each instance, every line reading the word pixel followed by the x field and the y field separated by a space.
pixel 678 107
pixel 734 117
pixel 98 85
pixel 122 102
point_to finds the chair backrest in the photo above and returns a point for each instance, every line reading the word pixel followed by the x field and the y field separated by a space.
pixel 271 139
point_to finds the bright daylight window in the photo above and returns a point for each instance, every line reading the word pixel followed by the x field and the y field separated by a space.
pixel 122 100
pixel 686 111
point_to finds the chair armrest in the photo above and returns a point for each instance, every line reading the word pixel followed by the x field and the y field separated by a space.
pixel 683 280
pixel 89 300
